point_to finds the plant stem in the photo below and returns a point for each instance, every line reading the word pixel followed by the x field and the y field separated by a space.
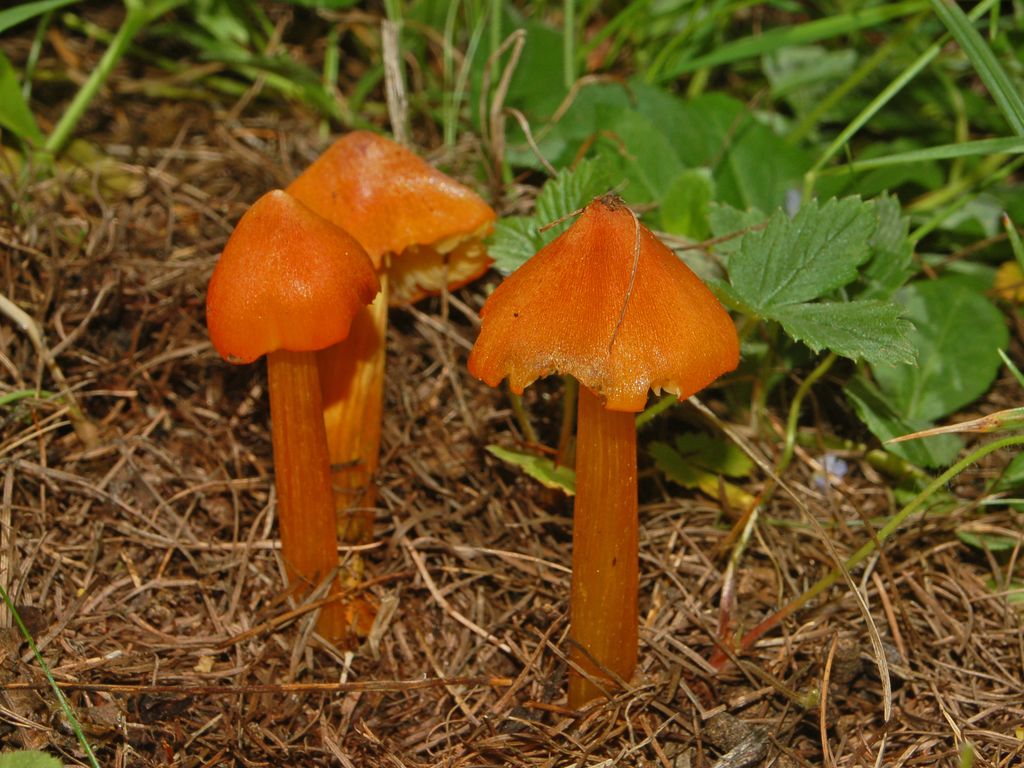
pixel 138 15
pixel 604 619
pixel 569 42
pixel 309 537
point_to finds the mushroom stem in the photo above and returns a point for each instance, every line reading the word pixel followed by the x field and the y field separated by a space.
pixel 305 504
pixel 352 381
pixel 605 555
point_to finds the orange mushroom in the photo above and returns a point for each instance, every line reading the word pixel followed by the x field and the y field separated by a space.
pixel 424 231
pixel 609 304
pixel 287 284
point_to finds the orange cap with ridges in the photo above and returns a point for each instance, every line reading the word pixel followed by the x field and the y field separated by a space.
pixel 609 304
pixel 287 279
pixel 394 202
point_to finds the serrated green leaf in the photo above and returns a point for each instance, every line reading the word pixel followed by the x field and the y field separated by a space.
pixel 685 206
pixel 15 115
pixel 726 221
pixel 885 422
pixel 541 469
pixel 29 759
pixel 803 258
pixel 957 334
pixel 570 191
pixel 892 254
pixel 514 240
pixel 517 238
pixel 860 330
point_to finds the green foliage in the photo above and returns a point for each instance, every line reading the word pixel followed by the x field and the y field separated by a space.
pixel 540 468
pixel 700 451
pixel 28 759
pixel 957 334
pixel 10 17
pixel 997 80
pixel 803 75
pixel 784 271
pixel 686 205
pixel 892 254
pixel 16 115
pixel 517 238
pixel 697 460
pixel 886 422
pixel 988 542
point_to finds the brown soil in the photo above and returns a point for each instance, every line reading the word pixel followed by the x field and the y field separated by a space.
pixel 145 563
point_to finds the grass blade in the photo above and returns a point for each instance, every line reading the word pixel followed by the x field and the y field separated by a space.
pixel 64 704
pixel 799 34
pixel 883 98
pixel 19 13
pixel 982 147
pixel 984 62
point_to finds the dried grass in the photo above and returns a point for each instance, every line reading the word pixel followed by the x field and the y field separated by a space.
pixel 147 565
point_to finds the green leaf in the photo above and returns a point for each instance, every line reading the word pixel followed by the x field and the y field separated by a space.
pixel 13 16
pixel 1006 94
pixel 803 75
pixel 533 88
pixel 686 204
pixel 15 115
pixel 514 240
pixel 221 21
pixel 726 221
pixel 758 169
pixel 1013 475
pixel 803 258
pixel 885 422
pixel 517 238
pixel 713 454
pixel 860 330
pixel 569 192
pixel 958 333
pixel 690 468
pixel 892 258
pixel 991 542
pixel 29 759
pixel 541 469
pixel 645 158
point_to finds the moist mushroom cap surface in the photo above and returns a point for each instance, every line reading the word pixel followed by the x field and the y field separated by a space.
pixel 562 312
pixel 394 202
pixel 287 279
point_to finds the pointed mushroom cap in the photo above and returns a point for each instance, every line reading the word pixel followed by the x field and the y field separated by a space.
pixel 560 312
pixel 287 279
pixel 394 202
